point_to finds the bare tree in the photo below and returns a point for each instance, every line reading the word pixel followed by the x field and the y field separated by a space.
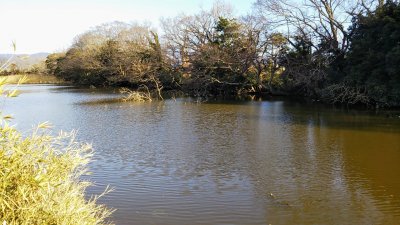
pixel 321 20
pixel 184 35
pixel 114 53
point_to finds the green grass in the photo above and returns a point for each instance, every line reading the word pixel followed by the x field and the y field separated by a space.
pixel 33 79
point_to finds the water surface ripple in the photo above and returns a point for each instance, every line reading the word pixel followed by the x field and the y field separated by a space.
pixel 266 162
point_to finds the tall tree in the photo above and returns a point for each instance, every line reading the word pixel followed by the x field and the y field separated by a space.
pixel 374 57
pixel 320 20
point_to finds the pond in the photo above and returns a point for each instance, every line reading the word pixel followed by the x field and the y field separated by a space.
pixel 248 162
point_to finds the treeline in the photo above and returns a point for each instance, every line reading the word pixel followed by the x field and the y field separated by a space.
pixel 336 51
pixel 14 69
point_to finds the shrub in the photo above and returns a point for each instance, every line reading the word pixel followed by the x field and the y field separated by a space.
pixel 40 178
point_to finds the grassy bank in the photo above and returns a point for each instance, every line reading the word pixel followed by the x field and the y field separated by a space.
pixel 34 79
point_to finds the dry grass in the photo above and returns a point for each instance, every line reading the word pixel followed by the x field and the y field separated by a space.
pixel 40 180
pixel 136 96
pixel 40 177
pixel 33 79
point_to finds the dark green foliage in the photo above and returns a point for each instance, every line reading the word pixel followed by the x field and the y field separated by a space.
pixel 221 57
pixel 373 63
pixel 305 69
pixel 228 32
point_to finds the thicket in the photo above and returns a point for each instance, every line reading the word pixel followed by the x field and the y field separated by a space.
pixel 373 60
pixel 336 51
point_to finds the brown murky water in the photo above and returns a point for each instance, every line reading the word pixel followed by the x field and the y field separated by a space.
pixel 267 162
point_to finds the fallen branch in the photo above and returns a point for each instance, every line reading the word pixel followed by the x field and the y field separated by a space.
pixel 136 96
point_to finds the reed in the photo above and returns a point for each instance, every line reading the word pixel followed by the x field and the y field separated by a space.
pixel 41 176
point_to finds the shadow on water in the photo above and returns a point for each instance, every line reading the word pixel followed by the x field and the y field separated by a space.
pixel 321 115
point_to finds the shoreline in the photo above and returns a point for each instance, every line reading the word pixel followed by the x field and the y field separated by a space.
pixel 34 79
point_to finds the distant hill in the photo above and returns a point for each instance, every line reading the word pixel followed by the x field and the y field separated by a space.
pixel 24 61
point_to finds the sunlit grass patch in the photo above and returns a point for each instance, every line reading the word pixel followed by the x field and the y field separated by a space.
pixel 41 176
pixel 40 179
pixel 33 79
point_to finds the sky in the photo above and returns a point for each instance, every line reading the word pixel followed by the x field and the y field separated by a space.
pixel 51 25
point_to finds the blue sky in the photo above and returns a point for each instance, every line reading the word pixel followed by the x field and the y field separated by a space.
pixel 51 25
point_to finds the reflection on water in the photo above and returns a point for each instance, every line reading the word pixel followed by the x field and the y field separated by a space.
pixel 267 162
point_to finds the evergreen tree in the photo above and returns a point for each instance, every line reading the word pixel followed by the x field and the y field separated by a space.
pixel 373 62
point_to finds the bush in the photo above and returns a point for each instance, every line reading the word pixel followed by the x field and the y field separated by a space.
pixel 373 62
pixel 40 178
